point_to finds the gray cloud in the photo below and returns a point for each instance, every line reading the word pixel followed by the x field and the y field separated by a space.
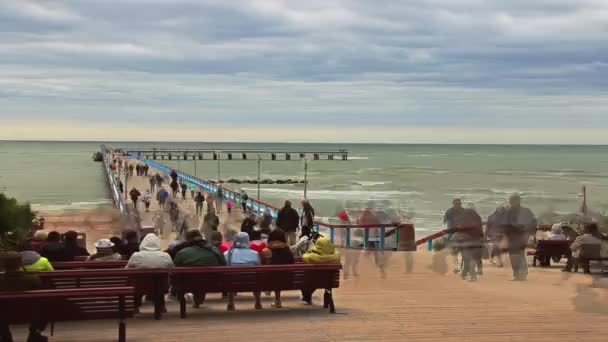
pixel 427 62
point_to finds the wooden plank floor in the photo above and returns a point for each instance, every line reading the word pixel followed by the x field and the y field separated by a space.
pixel 420 306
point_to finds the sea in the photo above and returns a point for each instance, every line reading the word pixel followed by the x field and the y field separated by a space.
pixel 414 181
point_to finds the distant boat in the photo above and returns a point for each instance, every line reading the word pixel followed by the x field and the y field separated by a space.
pixel 97 156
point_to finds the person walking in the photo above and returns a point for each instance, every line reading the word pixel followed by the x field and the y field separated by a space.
pixel 146 169
pixel 161 197
pixel 146 198
pixel 244 199
pixel 517 223
pixel 131 170
pixel 192 187
pixel 452 218
pixel 152 182
pixel 219 197
pixel 287 220
pixel 134 194
pixel 184 188
pixel 174 187
pixel 138 170
pixel 159 180
pixel 307 219
pixel 199 199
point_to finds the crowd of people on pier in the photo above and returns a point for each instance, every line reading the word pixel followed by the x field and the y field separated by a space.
pixel 510 229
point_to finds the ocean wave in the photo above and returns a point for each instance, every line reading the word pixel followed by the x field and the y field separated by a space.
pixel 371 183
pixel 340 194
pixel 71 205
pixel 357 158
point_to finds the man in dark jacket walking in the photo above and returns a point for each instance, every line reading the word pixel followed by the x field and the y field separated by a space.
pixel 134 194
pixel 288 220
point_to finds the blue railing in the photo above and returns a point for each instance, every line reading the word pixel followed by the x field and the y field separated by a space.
pixel 346 239
pixel 256 206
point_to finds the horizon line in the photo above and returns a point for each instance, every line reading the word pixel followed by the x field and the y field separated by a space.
pixel 301 142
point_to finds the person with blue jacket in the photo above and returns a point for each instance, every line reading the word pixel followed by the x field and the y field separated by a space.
pixel 241 255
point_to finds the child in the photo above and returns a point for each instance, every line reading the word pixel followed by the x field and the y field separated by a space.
pixel 229 205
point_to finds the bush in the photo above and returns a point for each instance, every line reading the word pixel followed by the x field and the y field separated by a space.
pixel 15 222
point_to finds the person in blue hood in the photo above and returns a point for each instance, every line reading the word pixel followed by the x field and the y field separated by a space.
pixel 241 255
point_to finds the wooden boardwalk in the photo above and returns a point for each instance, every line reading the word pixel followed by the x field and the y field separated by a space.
pixel 418 306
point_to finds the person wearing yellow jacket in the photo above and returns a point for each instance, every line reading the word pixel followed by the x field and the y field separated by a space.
pixel 33 262
pixel 323 252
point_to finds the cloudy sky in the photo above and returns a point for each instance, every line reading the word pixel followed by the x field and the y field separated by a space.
pixel 517 71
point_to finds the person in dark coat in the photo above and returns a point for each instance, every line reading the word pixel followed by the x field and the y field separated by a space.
pixel 130 246
pixel 277 252
pixel 70 243
pixel 54 249
pixel 307 219
pixel 248 224
pixel 288 220
pixel 134 194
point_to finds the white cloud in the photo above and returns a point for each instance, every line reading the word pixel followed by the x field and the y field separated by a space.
pixel 468 63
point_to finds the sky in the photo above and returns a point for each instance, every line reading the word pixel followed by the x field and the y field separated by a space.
pixel 431 71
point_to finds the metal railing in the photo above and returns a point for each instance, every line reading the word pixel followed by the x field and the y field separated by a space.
pixel 128 216
pixel 388 236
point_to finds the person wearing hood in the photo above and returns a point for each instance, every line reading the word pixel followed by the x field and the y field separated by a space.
pixel 150 255
pixel 277 253
pixel 16 280
pixel 54 249
pixel 32 261
pixel 240 255
pixel 105 251
pixel 265 222
pixel 323 252
pixel 557 233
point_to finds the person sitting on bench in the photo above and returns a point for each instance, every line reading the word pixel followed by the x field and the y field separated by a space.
pixel 589 237
pixel 14 279
pixel 323 252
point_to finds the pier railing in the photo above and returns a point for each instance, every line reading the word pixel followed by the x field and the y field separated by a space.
pixel 395 235
pixel 128 217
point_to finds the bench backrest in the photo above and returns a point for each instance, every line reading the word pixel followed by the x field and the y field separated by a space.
pixel 145 281
pixel 552 247
pixel 591 251
pixel 67 305
pixel 72 265
pixel 260 278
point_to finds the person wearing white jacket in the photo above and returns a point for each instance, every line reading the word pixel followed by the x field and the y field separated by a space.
pixel 150 255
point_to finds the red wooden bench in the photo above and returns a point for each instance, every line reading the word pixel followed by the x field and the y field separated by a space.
pixel 222 279
pixel 153 283
pixel 72 265
pixel 69 305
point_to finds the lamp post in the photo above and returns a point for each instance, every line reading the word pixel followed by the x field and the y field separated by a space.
pixel 305 177
pixel 259 170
